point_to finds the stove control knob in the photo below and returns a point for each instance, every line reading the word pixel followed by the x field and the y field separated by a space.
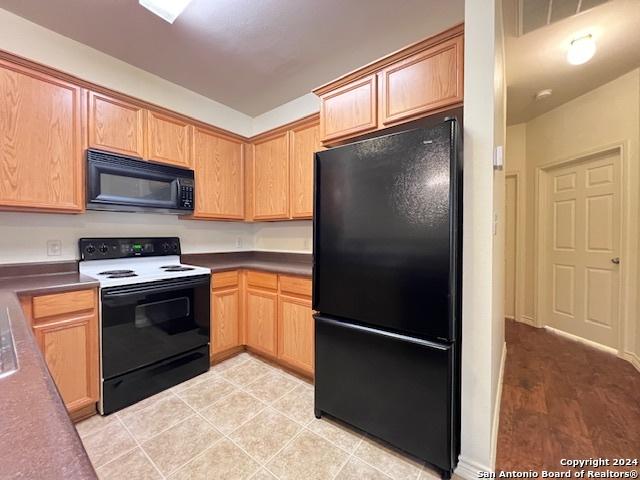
pixel 174 246
pixel 90 249
pixel 104 248
pixel 165 247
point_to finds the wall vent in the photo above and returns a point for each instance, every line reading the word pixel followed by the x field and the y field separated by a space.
pixel 534 14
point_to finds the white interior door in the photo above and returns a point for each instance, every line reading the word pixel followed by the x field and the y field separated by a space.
pixel 511 208
pixel 582 248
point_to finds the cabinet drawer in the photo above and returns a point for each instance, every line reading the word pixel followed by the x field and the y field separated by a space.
pixel 61 303
pixel 224 279
pixel 295 285
pixel 262 280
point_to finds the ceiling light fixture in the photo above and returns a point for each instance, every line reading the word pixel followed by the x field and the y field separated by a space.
pixel 168 10
pixel 581 50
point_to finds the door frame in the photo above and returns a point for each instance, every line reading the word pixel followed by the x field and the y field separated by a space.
pixel 628 266
pixel 518 250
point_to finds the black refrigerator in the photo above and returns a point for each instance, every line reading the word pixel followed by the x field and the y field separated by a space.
pixel 387 288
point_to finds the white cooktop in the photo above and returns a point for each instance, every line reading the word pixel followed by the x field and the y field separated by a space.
pixel 128 271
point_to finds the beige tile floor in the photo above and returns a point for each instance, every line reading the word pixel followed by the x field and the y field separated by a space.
pixel 244 419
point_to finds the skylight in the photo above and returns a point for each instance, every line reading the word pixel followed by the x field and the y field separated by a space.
pixel 168 10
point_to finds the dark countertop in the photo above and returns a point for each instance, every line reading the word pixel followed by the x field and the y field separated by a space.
pixel 277 262
pixel 37 437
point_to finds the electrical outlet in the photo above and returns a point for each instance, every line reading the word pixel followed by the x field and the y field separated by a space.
pixel 54 248
pixel 239 242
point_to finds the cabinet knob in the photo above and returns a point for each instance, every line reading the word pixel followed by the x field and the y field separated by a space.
pixel 615 260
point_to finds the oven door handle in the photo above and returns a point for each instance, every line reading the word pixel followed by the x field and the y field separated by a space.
pixel 165 286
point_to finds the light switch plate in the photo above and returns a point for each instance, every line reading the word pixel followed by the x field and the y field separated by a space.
pixel 498 158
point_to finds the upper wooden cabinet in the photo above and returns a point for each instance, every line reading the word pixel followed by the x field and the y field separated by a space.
pixel 124 127
pixel 349 110
pixel 280 172
pixel 421 83
pixel 168 139
pixel 115 125
pixel 304 141
pixel 41 145
pixel 219 175
pixel 419 80
pixel 270 178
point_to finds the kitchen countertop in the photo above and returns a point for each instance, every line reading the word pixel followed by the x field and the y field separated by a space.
pixel 277 262
pixel 37 437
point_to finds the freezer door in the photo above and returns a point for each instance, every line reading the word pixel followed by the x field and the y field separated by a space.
pixel 396 388
pixel 383 232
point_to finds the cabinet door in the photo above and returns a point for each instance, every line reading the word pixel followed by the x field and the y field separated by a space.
pixel 271 178
pixel 427 81
pixel 219 173
pixel 41 156
pixel 349 110
pixel 70 349
pixel 304 142
pixel 168 139
pixel 295 332
pixel 225 307
pixel 261 314
pixel 115 125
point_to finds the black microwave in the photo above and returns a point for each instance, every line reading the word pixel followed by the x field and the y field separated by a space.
pixel 128 184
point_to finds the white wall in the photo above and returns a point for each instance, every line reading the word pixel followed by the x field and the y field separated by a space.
pixel 284 236
pixel 603 117
pixel 483 253
pixel 24 236
pixel 288 112
pixel 516 148
pixel 606 116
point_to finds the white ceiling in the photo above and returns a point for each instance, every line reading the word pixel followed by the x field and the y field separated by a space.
pixel 537 60
pixel 251 55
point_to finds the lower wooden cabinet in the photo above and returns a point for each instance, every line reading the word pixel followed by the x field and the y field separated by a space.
pixel 268 313
pixel 226 312
pixel 296 332
pixel 226 307
pixel 261 320
pixel 65 326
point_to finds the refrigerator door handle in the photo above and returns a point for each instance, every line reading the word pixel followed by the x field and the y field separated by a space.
pixel 382 333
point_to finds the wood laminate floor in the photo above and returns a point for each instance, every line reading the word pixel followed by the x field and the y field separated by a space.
pixel 563 399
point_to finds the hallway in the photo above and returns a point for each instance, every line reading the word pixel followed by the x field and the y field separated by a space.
pixel 562 399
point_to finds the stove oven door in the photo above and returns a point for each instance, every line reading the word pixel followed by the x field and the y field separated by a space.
pixel 147 323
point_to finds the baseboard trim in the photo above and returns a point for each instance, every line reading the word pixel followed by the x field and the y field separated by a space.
pixel 632 358
pixel 469 469
pixel 529 320
pixel 584 341
pixel 496 411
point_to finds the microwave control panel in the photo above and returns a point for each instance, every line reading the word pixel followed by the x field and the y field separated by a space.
pixel 186 194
